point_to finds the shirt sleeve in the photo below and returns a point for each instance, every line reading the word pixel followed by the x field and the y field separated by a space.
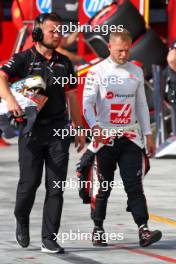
pixel 90 93
pixel 13 67
pixel 142 111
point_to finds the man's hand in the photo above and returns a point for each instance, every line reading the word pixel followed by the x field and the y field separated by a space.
pixel 13 106
pixel 150 146
pixel 97 134
pixel 80 142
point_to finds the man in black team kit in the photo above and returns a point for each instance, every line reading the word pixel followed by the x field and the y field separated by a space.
pixel 40 146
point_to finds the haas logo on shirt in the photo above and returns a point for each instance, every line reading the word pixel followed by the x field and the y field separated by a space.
pixel 120 114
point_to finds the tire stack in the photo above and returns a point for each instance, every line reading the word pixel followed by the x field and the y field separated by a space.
pixel 147 45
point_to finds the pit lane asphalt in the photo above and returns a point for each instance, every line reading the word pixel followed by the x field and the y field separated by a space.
pixel 160 189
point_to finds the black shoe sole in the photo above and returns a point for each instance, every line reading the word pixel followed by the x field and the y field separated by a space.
pixel 100 244
pixel 155 239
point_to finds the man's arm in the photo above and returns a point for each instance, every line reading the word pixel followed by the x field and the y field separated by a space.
pixel 90 93
pixel 71 55
pixel 6 94
pixel 76 118
pixel 11 69
pixel 171 59
pixel 143 116
pixel 69 40
pixel 74 108
pixel 89 98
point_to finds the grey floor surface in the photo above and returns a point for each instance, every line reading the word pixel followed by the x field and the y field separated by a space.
pixel 160 189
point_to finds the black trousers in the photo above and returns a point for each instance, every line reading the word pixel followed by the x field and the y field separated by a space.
pixel 34 151
pixel 129 158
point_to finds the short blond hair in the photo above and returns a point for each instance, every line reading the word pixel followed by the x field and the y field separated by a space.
pixel 123 35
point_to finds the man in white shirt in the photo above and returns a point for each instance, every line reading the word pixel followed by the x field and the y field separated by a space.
pixel 114 98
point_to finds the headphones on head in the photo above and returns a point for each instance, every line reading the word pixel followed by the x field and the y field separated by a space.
pixel 37 33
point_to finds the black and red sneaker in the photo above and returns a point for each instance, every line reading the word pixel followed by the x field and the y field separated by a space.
pixel 99 237
pixel 147 237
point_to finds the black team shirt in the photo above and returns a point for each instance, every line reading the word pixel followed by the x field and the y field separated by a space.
pixel 31 62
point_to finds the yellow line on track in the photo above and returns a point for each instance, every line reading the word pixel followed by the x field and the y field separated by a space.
pixel 161 219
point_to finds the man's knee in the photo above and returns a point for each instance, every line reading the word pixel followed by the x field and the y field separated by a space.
pixel 28 187
pixel 134 190
pixel 53 192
